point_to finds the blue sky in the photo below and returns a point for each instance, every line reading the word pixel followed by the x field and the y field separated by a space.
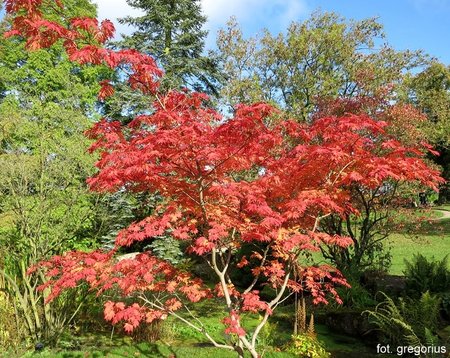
pixel 409 24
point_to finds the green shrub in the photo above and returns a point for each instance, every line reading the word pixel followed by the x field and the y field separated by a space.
pixel 307 346
pixel 267 336
pixel 356 297
pixel 445 304
pixel 423 275
pixel 423 313
pixel 167 248
pixel 408 322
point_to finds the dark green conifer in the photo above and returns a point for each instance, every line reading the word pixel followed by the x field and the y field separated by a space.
pixel 172 31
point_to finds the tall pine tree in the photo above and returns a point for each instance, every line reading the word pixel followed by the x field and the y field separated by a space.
pixel 171 31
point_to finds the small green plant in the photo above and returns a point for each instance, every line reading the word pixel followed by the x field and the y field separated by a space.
pixel 356 296
pixel 307 346
pixel 423 275
pixel 445 304
pixel 407 322
pixel 267 338
pixel 423 313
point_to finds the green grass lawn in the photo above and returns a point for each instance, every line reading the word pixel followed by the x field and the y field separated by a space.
pixel 429 238
pixel 97 347
pixel 419 231
pixel 177 339
pixel 125 348
pixel 185 346
pixel 143 350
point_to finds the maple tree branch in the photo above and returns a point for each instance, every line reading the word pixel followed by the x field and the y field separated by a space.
pixel 184 320
pixel 256 278
pixel 271 304
pixel 282 289
pixel 221 275
pixel 226 263
pixel 163 106
pixel 223 161
pixel 341 171
pixel 283 300
pixel 318 219
pixel 192 315
pixel 348 224
pixel 190 197
pixel 200 188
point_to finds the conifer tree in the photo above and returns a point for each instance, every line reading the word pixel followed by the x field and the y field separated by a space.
pixel 171 31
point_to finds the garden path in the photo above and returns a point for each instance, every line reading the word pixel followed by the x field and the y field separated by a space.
pixel 445 214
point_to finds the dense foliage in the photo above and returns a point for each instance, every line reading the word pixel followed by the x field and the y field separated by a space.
pixel 323 57
pixel 429 91
pixel 46 104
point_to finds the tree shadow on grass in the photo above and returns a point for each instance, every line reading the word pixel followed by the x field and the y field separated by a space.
pixel 433 227
pixel 134 350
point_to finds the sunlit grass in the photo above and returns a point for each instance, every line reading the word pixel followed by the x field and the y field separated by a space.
pixel 431 238
pixel 416 231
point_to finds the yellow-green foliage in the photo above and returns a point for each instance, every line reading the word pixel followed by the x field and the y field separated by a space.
pixel 8 336
pixel 307 346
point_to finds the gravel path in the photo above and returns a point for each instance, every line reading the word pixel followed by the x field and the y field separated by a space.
pixel 445 213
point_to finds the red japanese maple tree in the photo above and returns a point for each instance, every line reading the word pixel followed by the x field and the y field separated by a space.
pixel 378 205
pixel 198 162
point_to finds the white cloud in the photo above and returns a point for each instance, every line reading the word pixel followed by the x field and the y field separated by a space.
pixel 263 11
pixel 295 10
pixel 114 9
pixel 251 14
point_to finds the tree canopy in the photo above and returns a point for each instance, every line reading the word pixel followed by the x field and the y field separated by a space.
pixel 46 104
pixel 324 57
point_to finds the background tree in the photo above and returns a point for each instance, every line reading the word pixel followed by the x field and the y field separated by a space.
pixel 376 206
pixel 329 66
pixel 324 57
pixel 46 104
pixel 172 32
pixel 429 90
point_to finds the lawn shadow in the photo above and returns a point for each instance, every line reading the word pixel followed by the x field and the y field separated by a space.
pixel 426 226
